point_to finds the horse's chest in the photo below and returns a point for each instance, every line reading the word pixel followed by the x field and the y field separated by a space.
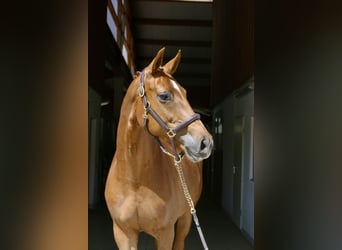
pixel 156 210
pixel 153 201
pixel 147 209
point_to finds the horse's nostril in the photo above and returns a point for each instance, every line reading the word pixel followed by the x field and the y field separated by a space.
pixel 204 144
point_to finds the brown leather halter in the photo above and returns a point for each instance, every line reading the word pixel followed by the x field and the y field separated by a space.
pixel 171 132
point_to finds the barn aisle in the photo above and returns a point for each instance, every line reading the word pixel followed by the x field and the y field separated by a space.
pixel 219 231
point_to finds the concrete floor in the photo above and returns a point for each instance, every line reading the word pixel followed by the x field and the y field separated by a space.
pixel 219 231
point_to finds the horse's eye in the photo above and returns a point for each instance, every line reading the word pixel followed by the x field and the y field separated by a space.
pixel 164 96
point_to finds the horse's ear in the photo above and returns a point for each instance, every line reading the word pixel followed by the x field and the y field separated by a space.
pixel 157 61
pixel 172 65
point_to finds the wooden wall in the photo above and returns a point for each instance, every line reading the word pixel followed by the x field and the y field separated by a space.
pixel 233 46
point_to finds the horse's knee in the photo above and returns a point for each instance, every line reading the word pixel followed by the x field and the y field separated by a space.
pixel 183 226
pixel 125 240
pixel 165 237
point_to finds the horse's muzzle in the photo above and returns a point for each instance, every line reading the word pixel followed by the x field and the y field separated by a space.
pixel 197 149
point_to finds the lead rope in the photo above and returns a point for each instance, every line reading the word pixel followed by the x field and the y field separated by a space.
pixel 190 202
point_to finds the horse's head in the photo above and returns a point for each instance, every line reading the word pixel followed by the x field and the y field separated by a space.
pixel 168 111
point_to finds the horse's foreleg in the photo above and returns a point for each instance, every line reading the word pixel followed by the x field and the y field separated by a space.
pixel 127 240
pixel 182 230
pixel 164 240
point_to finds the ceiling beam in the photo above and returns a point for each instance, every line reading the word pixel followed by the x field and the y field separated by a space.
pixel 186 43
pixel 192 75
pixel 173 22
pixel 181 1
pixel 192 60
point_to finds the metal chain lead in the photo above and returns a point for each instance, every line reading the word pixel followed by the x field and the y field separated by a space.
pixel 177 161
pixel 190 202
pixel 185 187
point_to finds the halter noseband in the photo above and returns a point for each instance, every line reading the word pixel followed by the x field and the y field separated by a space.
pixel 170 132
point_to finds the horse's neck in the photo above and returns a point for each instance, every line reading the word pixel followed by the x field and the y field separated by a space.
pixel 137 150
pixel 142 157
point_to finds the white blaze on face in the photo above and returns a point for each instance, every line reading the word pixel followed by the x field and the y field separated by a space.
pixel 175 86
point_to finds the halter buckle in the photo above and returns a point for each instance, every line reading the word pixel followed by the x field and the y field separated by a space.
pixel 171 133
pixel 145 114
pixel 146 109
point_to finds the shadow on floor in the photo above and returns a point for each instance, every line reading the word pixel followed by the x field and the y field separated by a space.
pixel 220 233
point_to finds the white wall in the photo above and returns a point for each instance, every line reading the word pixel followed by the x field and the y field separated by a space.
pixel 227 108
pixel 234 106
pixel 245 106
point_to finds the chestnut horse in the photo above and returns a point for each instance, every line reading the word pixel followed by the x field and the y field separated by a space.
pixel 143 189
